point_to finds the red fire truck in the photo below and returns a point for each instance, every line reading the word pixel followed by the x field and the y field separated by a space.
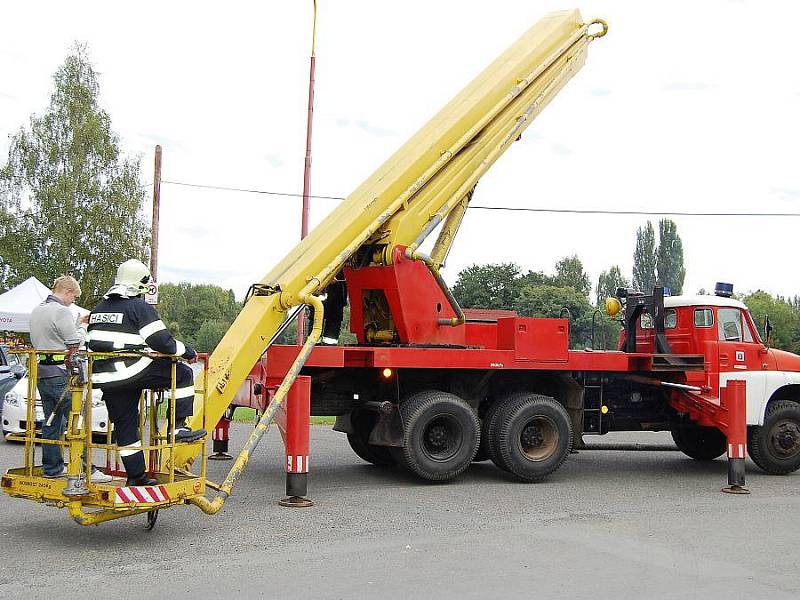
pixel 509 389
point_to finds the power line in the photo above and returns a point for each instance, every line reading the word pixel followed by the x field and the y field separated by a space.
pixel 573 211
pixel 635 212
pixel 249 191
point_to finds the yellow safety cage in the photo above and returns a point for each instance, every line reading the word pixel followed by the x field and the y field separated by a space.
pixel 90 503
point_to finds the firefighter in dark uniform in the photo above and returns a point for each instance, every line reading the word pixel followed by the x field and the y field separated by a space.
pixel 123 321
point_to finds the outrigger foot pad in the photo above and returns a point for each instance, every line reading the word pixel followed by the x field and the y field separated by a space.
pixel 296 502
pixel 735 489
pixel 220 456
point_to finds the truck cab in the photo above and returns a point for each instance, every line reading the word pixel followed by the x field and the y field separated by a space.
pixel 722 330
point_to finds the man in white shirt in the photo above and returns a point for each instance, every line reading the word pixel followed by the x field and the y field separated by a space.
pixel 53 327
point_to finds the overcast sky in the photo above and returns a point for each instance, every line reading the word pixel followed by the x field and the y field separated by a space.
pixel 682 107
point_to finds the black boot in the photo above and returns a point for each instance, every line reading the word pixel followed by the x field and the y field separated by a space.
pixel 134 463
pixel 184 433
pixel 142 479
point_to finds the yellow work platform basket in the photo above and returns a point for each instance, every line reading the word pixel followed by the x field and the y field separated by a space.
pixel 90 503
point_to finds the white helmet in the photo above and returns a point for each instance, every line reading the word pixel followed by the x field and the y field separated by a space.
pixel 134 275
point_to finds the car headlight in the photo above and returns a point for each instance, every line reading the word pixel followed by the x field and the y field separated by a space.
pixel 12 398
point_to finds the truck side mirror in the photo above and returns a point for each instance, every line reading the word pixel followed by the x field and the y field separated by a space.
pixel 767 329
pixel 18 371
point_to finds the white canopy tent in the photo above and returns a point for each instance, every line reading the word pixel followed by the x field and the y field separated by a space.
pixel 17 304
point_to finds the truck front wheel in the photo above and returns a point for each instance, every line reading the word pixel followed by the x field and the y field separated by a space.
pixel 700 443
pixel 532 436
pixel 440 435
pixel 775 446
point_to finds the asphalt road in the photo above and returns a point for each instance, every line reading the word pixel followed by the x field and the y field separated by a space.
pixel 608 524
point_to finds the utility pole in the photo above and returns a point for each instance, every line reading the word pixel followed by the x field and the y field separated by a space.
pixel 156 207
pixel 301 320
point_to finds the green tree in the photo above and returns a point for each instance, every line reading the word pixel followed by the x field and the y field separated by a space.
pixel 607 284
pixel 607 334
pixel 644 259
pixel 570 273
pixel 209 335
pixel 784 319
pixel 669 263
pixel 488 286
pixel 535 278
pixel 197 313
pixel 69 201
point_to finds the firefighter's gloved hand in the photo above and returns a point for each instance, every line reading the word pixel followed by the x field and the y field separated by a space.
pixel 190 355
pixel 71 351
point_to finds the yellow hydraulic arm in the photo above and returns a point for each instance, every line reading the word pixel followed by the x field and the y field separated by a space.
pixel 428 181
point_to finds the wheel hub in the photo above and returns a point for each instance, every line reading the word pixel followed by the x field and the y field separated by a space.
pixel 786 438
pixel 442 438
pixel 532 437
pixel 538 439
pixel 437 435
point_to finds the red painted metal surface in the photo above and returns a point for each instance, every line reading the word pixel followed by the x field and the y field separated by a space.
pixel 734 399
pixel 544 340
pixel 220 432
pixel 280 358
pixel 415 301
pixel 293 419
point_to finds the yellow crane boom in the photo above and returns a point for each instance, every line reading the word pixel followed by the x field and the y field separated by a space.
pixel 427 182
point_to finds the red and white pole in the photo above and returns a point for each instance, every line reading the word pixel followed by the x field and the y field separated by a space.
pixel 297 442
pixel 734 400
pixel 221 436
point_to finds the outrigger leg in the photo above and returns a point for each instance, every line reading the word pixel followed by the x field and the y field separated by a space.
pixel 293 421
pixel 734 396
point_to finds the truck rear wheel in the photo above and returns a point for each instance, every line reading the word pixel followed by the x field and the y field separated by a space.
pixel 775 446
pixel 484 448
pixel 440 435
pixel 700 443
pixel 363 421
pixel 532 436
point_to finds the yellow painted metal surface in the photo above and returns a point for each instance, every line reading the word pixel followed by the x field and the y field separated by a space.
pixel 88 502
pixel 34 486
pixel 416 188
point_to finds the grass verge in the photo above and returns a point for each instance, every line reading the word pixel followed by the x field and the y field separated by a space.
pixel 248 415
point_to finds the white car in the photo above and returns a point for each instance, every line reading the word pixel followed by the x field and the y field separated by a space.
pixel 15 410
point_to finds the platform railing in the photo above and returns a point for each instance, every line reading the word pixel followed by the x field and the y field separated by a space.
pixel 80 491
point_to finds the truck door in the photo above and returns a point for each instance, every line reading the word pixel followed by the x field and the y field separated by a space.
pixel 739 357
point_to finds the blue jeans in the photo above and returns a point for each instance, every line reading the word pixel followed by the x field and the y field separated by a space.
pixel 51 390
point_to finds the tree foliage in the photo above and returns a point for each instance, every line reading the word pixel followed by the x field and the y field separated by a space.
pixel 199 314
pixel 783 315
pixel 570 273
pixel 488 286
pixel 669 263
pixel 645 259
pixel 69 201
pixel 607 284
pixel 538 294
